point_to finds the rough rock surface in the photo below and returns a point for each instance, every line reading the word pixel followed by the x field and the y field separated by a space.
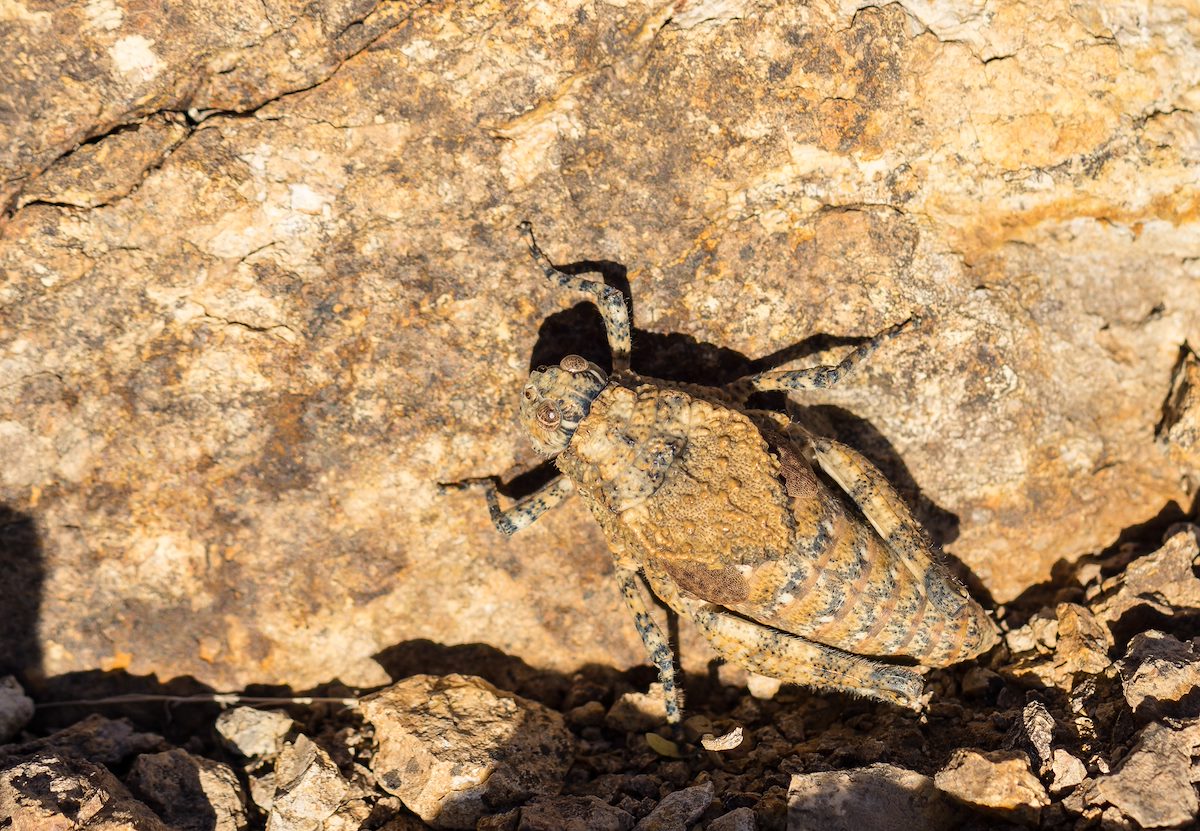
pixel 1163 582
pixel 995 749
pixel 1067 771
pixel 16 708
pixel 998 780
pixel 310 792
pixel 1153 785
pixel 255 734
pixel 739 819
pixel 454 748
pixel 102 740
pixel 854 800
pixel 573 813
pixel 1161 677
pixel 53 792
pixel 260 292
pixel 1179 430
pixel 678 810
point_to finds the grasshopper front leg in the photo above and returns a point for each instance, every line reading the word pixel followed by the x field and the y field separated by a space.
pixel 526 511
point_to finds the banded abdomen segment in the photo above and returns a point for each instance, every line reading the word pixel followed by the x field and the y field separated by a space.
pixel 841 585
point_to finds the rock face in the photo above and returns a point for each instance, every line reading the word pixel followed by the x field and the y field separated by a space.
pixel 260 292
pixel 572 813
pixel 1153 785
pixel 49 792
pixel 1047 738
pixel 254 734
pixel 678 810
pixel 1161 677
pixel 310 792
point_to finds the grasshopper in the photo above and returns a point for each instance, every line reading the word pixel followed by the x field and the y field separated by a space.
pixel 810 579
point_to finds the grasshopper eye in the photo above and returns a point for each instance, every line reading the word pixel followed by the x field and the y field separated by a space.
pixel 547 414
pixel 530 393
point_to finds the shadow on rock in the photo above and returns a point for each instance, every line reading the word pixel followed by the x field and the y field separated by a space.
pixel 21 563
pixel 1068 579
pixel 562 691
pixel 95 689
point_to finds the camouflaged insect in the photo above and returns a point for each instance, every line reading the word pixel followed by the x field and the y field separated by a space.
pixel 719 507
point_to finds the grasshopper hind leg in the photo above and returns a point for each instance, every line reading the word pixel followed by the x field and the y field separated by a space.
pixel 788 657
pixel 813 377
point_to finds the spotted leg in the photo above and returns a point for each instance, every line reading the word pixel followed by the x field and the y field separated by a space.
pixel 813 377
pixel 526 511
pixel 887 512
pixel 789 658
pixel 610 301
pixel 657 646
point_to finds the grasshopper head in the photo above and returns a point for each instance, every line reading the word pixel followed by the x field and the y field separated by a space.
pixel 556 399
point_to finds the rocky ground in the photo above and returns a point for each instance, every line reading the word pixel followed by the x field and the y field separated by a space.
pixel 1087 716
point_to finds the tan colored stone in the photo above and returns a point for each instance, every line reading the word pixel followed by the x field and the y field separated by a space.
pixel 1068 771
pixel 1161 677
pixel 678 809
pixel 1152 785
pixel 311 793
pixel 1079 647
pixel 998 780
pixel 1162 581
pixel 226 397
pixel 53 792
pixel 123 65
pixel 254 733
pixel 455 748
pixel 876 797
pixel 1179 429
pixel 739 819
pixel 1083 642
pixel 97 173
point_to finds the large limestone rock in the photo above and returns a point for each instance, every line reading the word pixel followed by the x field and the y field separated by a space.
pixel 59 792
pixel 454 748
pixel 276 296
